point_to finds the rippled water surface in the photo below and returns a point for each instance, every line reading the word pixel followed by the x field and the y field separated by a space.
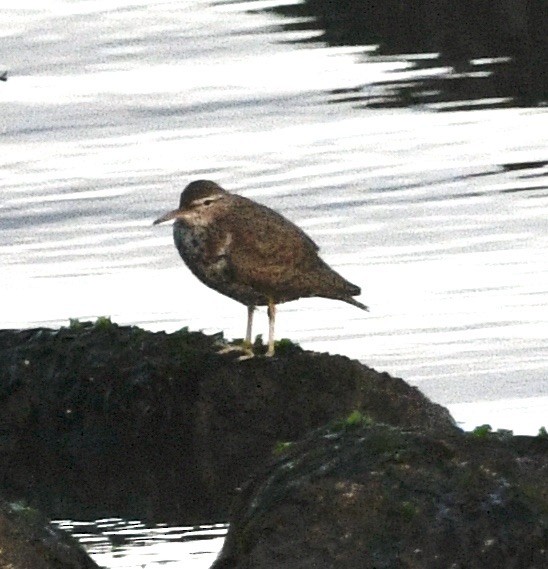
pixel 120 544
pixel 111 108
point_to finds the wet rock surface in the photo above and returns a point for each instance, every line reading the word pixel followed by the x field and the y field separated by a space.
pixel 27 541
pixel 370 496
pixel 99 419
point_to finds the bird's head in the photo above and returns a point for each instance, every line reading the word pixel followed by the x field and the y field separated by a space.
pixel 201 201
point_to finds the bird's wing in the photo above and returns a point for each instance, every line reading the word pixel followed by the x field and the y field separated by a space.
pixel 266 249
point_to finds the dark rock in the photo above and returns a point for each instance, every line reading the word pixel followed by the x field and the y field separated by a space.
pixel 371 496
pixel 99 420
pixel 28 541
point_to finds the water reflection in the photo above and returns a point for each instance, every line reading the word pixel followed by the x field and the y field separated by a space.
pixel 427 81
pixel 115 543
pixel 456 55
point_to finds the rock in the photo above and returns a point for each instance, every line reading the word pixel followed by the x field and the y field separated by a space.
pixel 99 420
pixel 245 409
pixel 27 541
pixel 371 496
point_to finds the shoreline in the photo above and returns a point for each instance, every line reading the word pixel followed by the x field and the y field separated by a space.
pixel 523 416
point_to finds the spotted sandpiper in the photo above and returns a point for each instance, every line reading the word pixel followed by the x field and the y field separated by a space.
pixel 251 253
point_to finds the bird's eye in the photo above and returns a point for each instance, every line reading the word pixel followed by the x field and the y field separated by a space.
pixel 207 202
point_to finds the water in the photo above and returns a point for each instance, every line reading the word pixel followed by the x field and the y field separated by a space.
pixel 118 543
pixel 442 217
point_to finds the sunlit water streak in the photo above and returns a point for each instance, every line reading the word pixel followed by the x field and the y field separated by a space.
pixel 118 543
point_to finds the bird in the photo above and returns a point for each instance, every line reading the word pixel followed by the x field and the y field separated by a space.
pixel 251 253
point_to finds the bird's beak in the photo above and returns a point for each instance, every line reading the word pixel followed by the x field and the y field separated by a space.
pixel 175 214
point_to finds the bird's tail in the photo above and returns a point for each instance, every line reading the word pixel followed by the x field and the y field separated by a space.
pixel 337 287
pixel 350 291
pixel 350 300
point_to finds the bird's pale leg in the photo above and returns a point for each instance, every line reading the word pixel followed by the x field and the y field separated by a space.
pixel 271 321
pixel 250 311
pixel 246 349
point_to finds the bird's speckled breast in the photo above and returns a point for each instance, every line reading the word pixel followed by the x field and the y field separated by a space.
pixel 190 242
pixel 212 267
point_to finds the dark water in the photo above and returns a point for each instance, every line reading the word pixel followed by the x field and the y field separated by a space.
pixel 111 108
pixel 458 55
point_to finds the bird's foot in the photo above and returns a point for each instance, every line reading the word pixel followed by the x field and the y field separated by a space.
pixel 245 349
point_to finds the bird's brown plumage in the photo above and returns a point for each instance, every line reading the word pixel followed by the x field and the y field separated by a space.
pixel 249 252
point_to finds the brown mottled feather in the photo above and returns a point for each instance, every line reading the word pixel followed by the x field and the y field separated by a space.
pixel 271 254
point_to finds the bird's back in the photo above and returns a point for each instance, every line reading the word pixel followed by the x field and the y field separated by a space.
pixel 273 255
